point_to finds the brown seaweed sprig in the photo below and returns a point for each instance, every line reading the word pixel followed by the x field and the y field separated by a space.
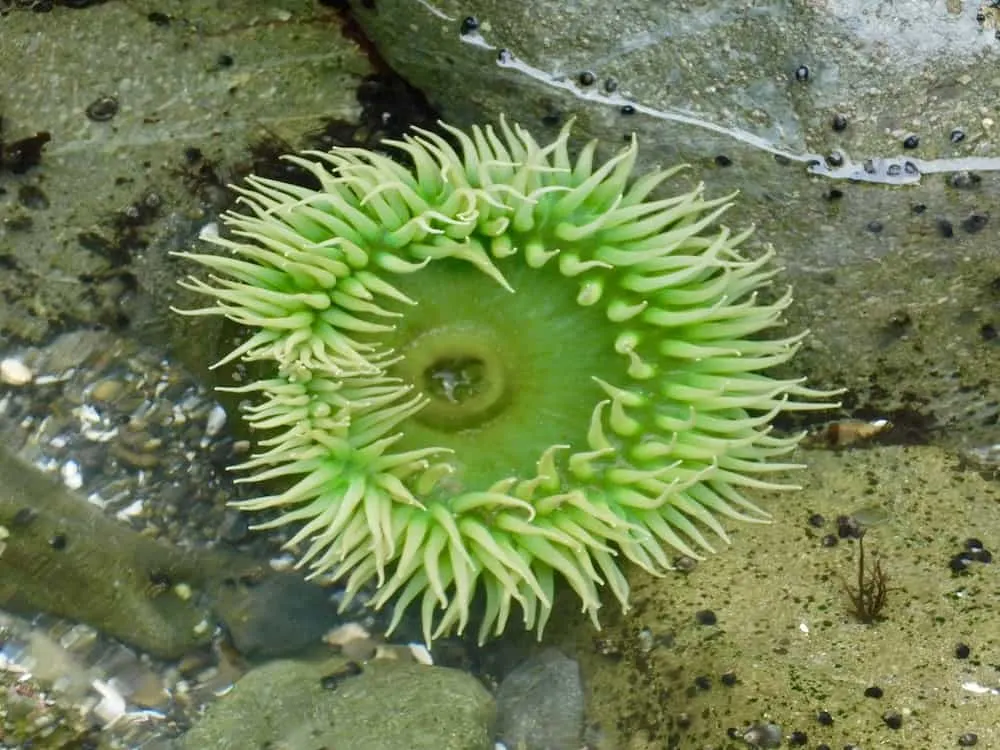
pixel 869 594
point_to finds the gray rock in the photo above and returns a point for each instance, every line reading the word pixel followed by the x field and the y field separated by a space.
pixel 389 706
pixel 194 93
pixel 886 239
pixel 276 614
pixel 540 704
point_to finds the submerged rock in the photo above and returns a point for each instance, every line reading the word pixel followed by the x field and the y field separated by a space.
pixel 540 704
pixel 386 705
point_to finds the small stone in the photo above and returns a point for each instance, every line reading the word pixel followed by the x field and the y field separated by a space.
pixel 332 680
pixel 15 372
pixel 106 390
pixel 893 719
pixel 103 108
pixel 541 703
pixel 685 564
pixel 705 617
pixel 183 591
pixel 763 735
pixel 964 180
pixel 234 527
pixel 959 564
pixel 974 223
pixel 346 633
pixel 469 24
pixel 216 421
pixel 646 640
pixel 71 476
pixel 421 654
pixel 848 527
pixel 989 333
pixel 969 739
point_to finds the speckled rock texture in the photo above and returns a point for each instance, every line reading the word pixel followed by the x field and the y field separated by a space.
pixel 785 645
pixel 863 138
pixel 389 706
pixel 150 112
pixel 895 270
pixel 540 704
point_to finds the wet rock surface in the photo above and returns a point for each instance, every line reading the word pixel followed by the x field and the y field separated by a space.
pixel 783 646
pixel 540 704
pixel 384 706
pixel 273 614
pixel 62 556
pixel 863 139
pixel 142 142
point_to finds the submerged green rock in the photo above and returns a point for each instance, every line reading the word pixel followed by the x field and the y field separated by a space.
pixel 388 706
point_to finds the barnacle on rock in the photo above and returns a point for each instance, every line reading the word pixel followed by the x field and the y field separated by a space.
pixel 500 366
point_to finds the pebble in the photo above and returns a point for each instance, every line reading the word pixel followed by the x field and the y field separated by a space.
pixel 278 615
pixel 106 390
pixel 763 735
pixel 421 654
pixel 15 372
pixel 183 591
pixel 540 704
pixel 126 428
pixel 216 421
pixel 70 473
pixel 347 633
pixel 705 617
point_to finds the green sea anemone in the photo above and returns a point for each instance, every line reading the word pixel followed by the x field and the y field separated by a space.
pixel 494 365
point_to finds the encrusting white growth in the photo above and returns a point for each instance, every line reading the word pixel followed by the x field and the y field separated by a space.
pixel 495 366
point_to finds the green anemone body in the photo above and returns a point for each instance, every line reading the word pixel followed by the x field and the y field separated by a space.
pixel 500 366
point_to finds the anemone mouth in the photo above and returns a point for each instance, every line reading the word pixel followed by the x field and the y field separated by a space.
pixel 499 368
pixel 506 374
pixel 466 385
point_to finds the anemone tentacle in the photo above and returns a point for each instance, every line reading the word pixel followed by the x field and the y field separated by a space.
pixel 500 366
